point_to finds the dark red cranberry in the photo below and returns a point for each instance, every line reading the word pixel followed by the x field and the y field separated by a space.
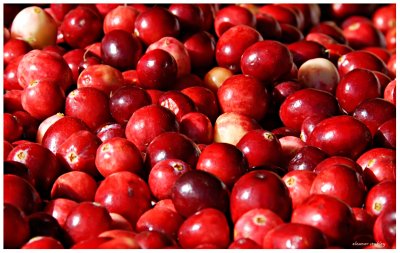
pixel 381 197
pixel 268 26
pixel 385 135
pixel 360 59
pixel 190 16
pixel 230 16
pixel 197 127
pixel 201 49
pixel 16 227
pixel 179 103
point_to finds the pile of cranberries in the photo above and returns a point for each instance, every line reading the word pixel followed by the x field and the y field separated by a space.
pixel 204 126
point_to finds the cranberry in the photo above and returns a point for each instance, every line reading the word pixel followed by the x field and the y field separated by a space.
pixel 385 228
pixel 268 26
pixel 303 51
pixel 336 219
pixel 78 152
pixel 229 48
pixel 60 10
pixel 42 242
pixel 350 141
pixel 110 158
pixel 385 135
pixel 378 164
pixel 214 78
pixel 43 224
pixel 18 169
pixel 331 29
pixel 12 128
pixel 381 197
pixel 207 191
pixel 282 14
pixel 284 89
pixel 86 221
pixel 179 103
pixel 156 23
pixel 307 158
pixel 75 185
pixel 335 51
pixel 321 38
pixel 59 209
pixel 197 127
pixel 81 27
pixel 201 49
pixel 152 240
pixel 125 101
pixel 232 15
pixel 117 191
pixel 207 226
pixel 109 131
pixel 121 49
pixel 205 101
pixel 362 34
pixel 244 243
pixel 299 183
pixel 391 65
pixel 290 34
pixel 382 53
pixel 16 227
pixel 305 103
pixel 341 11
pixel 156 69
pixel 267 60
pixel 384 18
pixel 391 39
pixel 12 101
pixel 147 123
pixel 295 236
pixel 338 160
pixel 120 18
pixel 360 59
pixel 190 16
pixel 13 49
pixel 10 75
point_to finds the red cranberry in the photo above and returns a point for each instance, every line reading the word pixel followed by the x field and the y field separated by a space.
pixel 360 59
pixel 378 164
pixel 16 227
pixel 43 224
pixel 42 242
pixel 321 38
pixel 295 236
pixel 190 16
pixel 391 39
pixel 12 101
pixel 10 75
pixel 364 221
pixel 156 23
pixel 12 128
pixel 117 191
pixel 201 50
pixel 59 209
pixel 341 135
pixel 157 69
pixel 197 127
pixel 362 34
pixel 74 58
pixel 382 53
pixel 207 191
pixel 86 221
pixel 75 185
pixel 267 61
pixel 381 197
pixel 284 89
pixel 391 65
pixel 229 48
pixel 255 223
pixel 331 29
pixel 147 123
pixel 307 158
pixel 152 240
pixel 232 15
pixel 353 20
pixel 303 51
pixel 305 103
pixel 245 95
pixel 179 103
pixel 244 243
pixel 120 18
pixel 338 160
pixel 267 191
pixel 109 131
pixel 103 77
pixel 125 101
pixel 385 228
pixel 374 112
pixel 282 14
pixel 118 154
pixel 290 34
pixel 121 49
pixel 162 220
pixel 341 11
pixel 13 49
pixel 130 77
pixel 299 183
pixel 385 135
pixel 384 18
pixel 81 27
pixel 205 101
pixel 60 10
pixel 335 218
pixel 335 51
pixel 207 226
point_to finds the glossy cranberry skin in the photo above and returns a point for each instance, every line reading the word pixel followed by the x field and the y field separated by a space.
pixel 306 50
pixel 179 103
pixel 118 154
pixel 381 197
pixel 197 127
pixel 205 101
pixel 266 60
pixel 306 103
pixel 156 69
pixel 342 11
pixel 267 191
pixel 335 51
pixel 156 23
pixel 21 194
pixel 385 228
pixel 120 18
pixel 382 53
pixel 12 128
pixel 43 224
pixel 337 221
pixel 362 34
pixel 338 160
pixel 121 49
pixel 162 220
pixel 78 152
pixel 378 164
pixel 42 164
pixel 59 209
pixel 307 158
pixel 42 242
pixel 110 130
pixel 268 26
pixel 10 75
pixel 81 27
pixel 391 65
pixel 299 183
pixel 39 65
pixel 201 49
pixel 152 240
pixel 229 48
pixel 75 185
pixel 207 192
pixel 295 236
pixel 74 58
pixel 230 16
pixel 260 148
pixel 90 105
pixel 331 29
pixel 190 16
pixel 385 135
pixel 360 59
pixel 123 188
pixel 384 18
pixel 13 49
pixel 86 221
pixel 207 226
pixel 60 131
pixel 391 39
pixel 244 243
pixel 245 95
pixel 350 141
pixel 16 227
pixel 147 123
pixel 102 77
pixel 341 182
